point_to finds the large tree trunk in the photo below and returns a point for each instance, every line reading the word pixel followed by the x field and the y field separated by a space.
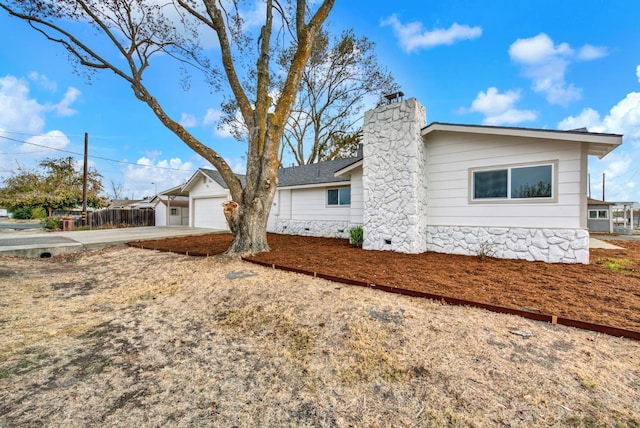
pixel 247 218
pixel 249 227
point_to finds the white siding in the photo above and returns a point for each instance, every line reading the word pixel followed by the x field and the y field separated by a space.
pixel 357 197
pixel 205 188
pixel 161 214
pixel 208 213
pixel 451 155
pixel 311 204
pixel 181 214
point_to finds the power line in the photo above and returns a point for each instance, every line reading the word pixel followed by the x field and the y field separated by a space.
pixel 94 157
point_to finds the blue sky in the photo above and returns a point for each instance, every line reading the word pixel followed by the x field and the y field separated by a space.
pixel 536 64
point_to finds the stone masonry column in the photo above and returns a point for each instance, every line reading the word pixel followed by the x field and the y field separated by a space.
pixel 394 178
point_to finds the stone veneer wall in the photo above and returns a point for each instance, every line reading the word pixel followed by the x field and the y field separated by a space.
pixel 324 229
pixel 394 188
pixel 547 245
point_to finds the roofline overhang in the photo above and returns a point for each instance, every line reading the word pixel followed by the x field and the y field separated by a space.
pixel 598 144
pixel 341 172
pixel 316 185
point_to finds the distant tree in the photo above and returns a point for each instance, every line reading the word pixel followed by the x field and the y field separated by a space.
pixel 55 185
pixel 116 190
pixel 127 37
pixel 341 75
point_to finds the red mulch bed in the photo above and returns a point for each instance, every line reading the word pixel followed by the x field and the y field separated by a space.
pixel 594 293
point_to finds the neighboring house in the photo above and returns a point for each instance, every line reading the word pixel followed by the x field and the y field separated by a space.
pixel 171 207
pixel 599 218
pixel 463 189
pixel 207 192
pixel 128 204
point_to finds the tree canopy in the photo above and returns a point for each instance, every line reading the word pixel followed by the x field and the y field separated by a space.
pixel 342 74
pixel 136 32
pixel 55 185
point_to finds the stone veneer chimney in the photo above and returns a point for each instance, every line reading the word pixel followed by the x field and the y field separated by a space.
pixel 394 180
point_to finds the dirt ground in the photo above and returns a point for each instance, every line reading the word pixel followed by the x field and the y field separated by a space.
pixel 131 337
pixel 605 292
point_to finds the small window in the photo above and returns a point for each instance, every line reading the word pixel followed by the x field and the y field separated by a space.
pixel 174 211
pixel 514 183
pixel 598 214
pixel 340 196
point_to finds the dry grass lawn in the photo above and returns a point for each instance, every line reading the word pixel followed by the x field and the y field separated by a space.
pixel 130 337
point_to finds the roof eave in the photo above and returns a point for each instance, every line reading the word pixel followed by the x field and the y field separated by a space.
pixel 598 144
pixel 341 172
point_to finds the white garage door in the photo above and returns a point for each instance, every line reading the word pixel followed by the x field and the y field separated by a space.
pixel 207 212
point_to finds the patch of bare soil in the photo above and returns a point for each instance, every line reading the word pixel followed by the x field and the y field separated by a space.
pixel 130 337
pixel 605 292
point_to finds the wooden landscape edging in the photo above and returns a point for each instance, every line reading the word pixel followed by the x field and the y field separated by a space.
pixel 553 319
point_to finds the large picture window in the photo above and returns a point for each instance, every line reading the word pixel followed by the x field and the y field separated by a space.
pixel 514 183
pixel 339 196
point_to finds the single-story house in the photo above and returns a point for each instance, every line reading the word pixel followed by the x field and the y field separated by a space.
pixel 171 207
pixel 463 189
pixel 599 218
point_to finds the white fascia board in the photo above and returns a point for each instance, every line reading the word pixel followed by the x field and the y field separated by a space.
pixel 345 170
pixel 189 184
pixel 598 144
pixel 317 185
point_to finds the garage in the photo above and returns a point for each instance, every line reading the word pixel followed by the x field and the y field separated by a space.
pixel 207 213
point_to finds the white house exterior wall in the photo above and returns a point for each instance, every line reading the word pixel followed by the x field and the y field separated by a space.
pixel 160 214
pixel 357 198
pixel 450 156
pixel 205 188
pixel 304 211
pixel 417 192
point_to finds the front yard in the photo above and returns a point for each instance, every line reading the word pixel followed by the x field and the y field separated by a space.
pixel 131 337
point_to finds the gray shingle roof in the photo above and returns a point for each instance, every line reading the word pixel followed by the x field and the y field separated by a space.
pixel 217 177
pixel 315 173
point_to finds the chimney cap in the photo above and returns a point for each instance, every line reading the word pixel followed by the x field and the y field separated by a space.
pixel 395 96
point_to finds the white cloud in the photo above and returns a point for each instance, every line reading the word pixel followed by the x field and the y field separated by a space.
pixel 18 112
pixel 638 73
pixel 413 36
pixel 43 81
pixel 623 118
pixel 141 180
pixel 589 52
pixel 54 139
pixel 546 62
pixel 188 120
pixel 537 50
pixel 620 167
pixel 588 118
pixel 211 117
pixel 63 108
pixel 499 108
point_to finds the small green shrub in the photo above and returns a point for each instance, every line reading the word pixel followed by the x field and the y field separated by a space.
pixel 356 236
pixel 39 212
pixel 52 223
pixel 22 213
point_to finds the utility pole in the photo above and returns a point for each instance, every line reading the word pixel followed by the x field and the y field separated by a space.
pixel 603 186
pixel 84 180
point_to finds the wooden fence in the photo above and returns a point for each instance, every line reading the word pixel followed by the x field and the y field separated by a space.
pixel 110 218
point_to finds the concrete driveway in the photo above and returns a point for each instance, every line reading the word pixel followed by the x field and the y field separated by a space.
pixel 47 244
